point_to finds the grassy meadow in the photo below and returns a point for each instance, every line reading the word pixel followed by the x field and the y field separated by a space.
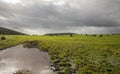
pixel 83 54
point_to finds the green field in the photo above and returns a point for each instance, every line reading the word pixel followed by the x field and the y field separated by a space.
pixel 85 54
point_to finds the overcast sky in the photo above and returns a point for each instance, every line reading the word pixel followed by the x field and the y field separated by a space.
pixel 45 16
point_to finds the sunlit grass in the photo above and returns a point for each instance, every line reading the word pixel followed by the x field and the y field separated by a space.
pixel 86 54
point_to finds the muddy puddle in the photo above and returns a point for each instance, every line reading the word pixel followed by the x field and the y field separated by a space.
pixel 19 58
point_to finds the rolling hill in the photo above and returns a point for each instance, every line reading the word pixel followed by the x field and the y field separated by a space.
pixel 61 34
pixel 7 31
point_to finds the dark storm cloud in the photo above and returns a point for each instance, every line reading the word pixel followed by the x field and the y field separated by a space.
pixel 42 16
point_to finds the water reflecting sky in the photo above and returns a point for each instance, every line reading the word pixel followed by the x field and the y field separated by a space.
pixel 18 58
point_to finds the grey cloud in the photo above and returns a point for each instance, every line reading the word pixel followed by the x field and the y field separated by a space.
pixel 62 15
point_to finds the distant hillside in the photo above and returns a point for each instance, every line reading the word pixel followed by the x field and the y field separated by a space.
pixel 7 31
pixel 60 34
